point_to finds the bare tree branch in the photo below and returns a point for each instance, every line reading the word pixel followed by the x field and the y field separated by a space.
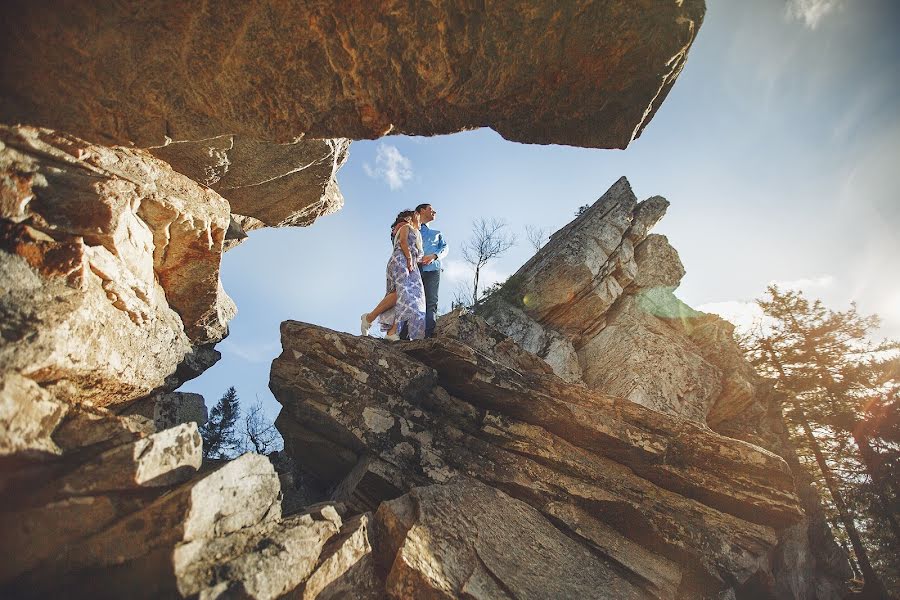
pixel 537 236
pixel 462 296
pixel 489 240
pixel 257 433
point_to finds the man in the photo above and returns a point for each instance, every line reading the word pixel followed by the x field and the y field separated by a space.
pixel 435 248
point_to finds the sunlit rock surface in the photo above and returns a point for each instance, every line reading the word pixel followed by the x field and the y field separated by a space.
pixel 607 437
pixel 562 450
pixel 110 268
pixel 597 304
pixel 516 553
pixel 123 511
pixel 266 184
pixel 170 409
pixel 672 506
pixel 591 73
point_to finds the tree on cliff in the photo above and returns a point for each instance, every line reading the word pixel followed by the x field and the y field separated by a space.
pixel 840 395
pixel 258 434
pixel 537 236
pixel 489 240
pixel 220 438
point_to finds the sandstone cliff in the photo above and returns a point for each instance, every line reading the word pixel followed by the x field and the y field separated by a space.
pixel 110 263
pixel 598 304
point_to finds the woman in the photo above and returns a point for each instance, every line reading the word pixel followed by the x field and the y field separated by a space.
pixel 390 298
pixel 405 297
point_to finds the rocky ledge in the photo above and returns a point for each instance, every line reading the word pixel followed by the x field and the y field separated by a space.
pixel 543 488
pixel 591 73
pixel 584 401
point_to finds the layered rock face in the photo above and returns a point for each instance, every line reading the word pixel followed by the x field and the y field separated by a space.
pixel 235 98
pixel 110 269
pixel 587 74
pixel 580 411
pixel 536 456
pixel 598 304
pixel 124 512
pixel 266 184
pixel 654 505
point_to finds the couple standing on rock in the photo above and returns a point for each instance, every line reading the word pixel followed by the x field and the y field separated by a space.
pixel 413 277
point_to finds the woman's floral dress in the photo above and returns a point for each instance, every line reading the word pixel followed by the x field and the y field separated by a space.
pixel 410 305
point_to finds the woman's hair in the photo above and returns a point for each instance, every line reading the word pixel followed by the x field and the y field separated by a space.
pixel 403 215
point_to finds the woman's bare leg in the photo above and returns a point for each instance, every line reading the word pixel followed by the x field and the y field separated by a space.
pixel 389 300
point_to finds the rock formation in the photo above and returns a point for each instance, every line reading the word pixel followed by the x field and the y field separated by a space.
pixel 235 98
pixel 662 506
pixel 597 304
pixel 605 442
pixel 127 514
pixel 170 409
pixel 110 269
pixel 266 184
pixel 587 74
pixel 526 452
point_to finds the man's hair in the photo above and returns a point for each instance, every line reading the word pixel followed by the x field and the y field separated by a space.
pixel 422 207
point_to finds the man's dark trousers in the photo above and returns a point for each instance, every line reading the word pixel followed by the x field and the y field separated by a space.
pixel 431 280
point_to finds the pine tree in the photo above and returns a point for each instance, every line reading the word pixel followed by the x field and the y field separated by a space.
pixel 220 438
pixel 839 389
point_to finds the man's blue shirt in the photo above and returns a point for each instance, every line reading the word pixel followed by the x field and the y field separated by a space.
pixel 432 243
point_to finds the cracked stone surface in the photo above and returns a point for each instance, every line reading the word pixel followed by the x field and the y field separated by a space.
pixel 636 340
pixel 266 184
pixel 688 510
pixel 111 264
pixel 468 540
pixel 587 74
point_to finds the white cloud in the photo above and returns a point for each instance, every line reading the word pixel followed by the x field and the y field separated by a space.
pixel 811 12
pixel 390 166
pixel 805 283
pixel 457 271
pixel 748 316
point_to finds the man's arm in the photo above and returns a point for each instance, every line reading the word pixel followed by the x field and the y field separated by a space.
pixel 440 251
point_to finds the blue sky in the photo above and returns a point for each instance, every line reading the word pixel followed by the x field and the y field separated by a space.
pixel 777 149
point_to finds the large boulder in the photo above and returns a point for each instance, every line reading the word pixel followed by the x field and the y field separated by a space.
pixel 170 409
pixel 559 300
pixel 587 74
pixel 639 357
pixel 469 540
pixel 28 418
pixel 119 510
pixel 267 184
pixel 110 263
